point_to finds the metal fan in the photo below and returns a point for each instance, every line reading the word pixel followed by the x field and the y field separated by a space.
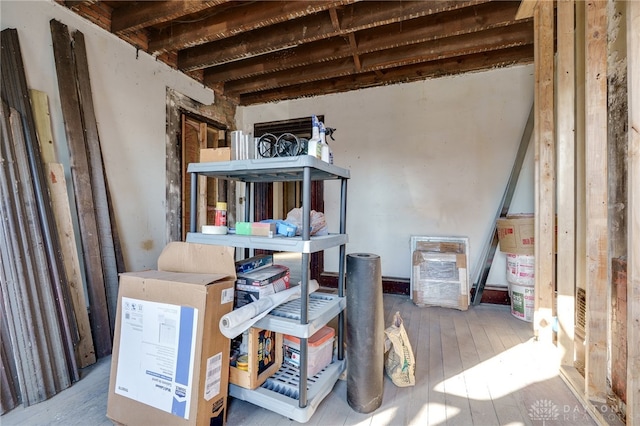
pixel 267 146
pixel 288 145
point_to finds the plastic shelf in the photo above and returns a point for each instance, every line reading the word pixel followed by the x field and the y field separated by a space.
pixel 279 169
pixel 291 244
pixel 286 392
pixel 286 317
pixel 279 393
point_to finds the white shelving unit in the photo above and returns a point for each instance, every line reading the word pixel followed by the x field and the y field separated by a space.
pixel 288 392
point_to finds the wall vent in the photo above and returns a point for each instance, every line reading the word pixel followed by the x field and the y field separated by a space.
pixel 581 312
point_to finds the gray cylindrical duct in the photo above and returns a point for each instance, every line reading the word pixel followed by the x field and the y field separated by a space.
pixel 365 332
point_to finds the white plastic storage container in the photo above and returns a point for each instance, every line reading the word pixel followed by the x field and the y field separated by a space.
pixel 320 350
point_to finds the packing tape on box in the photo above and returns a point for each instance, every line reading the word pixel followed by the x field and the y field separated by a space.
pixel 237 321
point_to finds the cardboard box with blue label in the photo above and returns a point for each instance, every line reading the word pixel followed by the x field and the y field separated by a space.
pixel 170 363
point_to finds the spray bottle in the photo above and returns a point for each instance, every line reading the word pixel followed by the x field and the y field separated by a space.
pixel 323 143
pixel 314 147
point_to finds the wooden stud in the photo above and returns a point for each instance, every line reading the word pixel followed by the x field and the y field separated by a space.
pixel 203 201
pixel 544 229
pixel 581 191
pixel 566 181
pixel 633 209
pixel 42 119
pixel 526 9
pixel 85 353
pixel 597 275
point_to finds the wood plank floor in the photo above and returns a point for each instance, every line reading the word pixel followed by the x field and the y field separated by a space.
pixel 477 367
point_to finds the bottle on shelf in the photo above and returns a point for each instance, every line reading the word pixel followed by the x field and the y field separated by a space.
pixel 326 155
pixel 315 144
pixel 220 218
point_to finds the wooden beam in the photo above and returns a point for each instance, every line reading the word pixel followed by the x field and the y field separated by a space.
pixel 419 34
pixel 138 15
pixel 42 119
pixel 57 185
pixel 335 21
pixel 633 209
pixel 415 72
pixel 597 275
pixel 544 228
pixel 81 177
pixel 203 201
pixel 234 20
pixel 85 353
pixel 99 184
pixel 493 39
pixel 526 9
pixel 566 182
pixel 413 24
pixel 581 189
pixel 353 45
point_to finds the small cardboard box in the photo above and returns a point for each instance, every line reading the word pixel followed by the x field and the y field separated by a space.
pixel 264 359
pixel 209 155
pixel 516 234
pixel 169 363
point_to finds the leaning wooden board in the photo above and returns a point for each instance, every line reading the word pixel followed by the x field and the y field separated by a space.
pixel 81 176
pixel 56 182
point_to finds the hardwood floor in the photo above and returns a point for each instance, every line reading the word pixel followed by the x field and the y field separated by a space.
pixel 475 367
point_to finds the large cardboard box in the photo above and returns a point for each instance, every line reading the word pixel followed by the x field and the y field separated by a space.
pixel 170 363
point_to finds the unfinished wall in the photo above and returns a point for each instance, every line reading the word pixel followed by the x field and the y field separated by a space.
pixel 427 158
pixel 129 92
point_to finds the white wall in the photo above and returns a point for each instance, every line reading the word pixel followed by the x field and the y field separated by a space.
pixel 129 92
pixel 427 158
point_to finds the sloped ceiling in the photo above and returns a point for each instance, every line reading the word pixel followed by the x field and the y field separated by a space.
pixel 264 51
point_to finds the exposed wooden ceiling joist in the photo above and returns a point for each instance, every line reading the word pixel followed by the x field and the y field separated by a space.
pixel 140 15
pixel 263 51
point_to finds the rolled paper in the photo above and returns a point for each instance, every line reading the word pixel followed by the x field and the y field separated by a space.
pixel 237 321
